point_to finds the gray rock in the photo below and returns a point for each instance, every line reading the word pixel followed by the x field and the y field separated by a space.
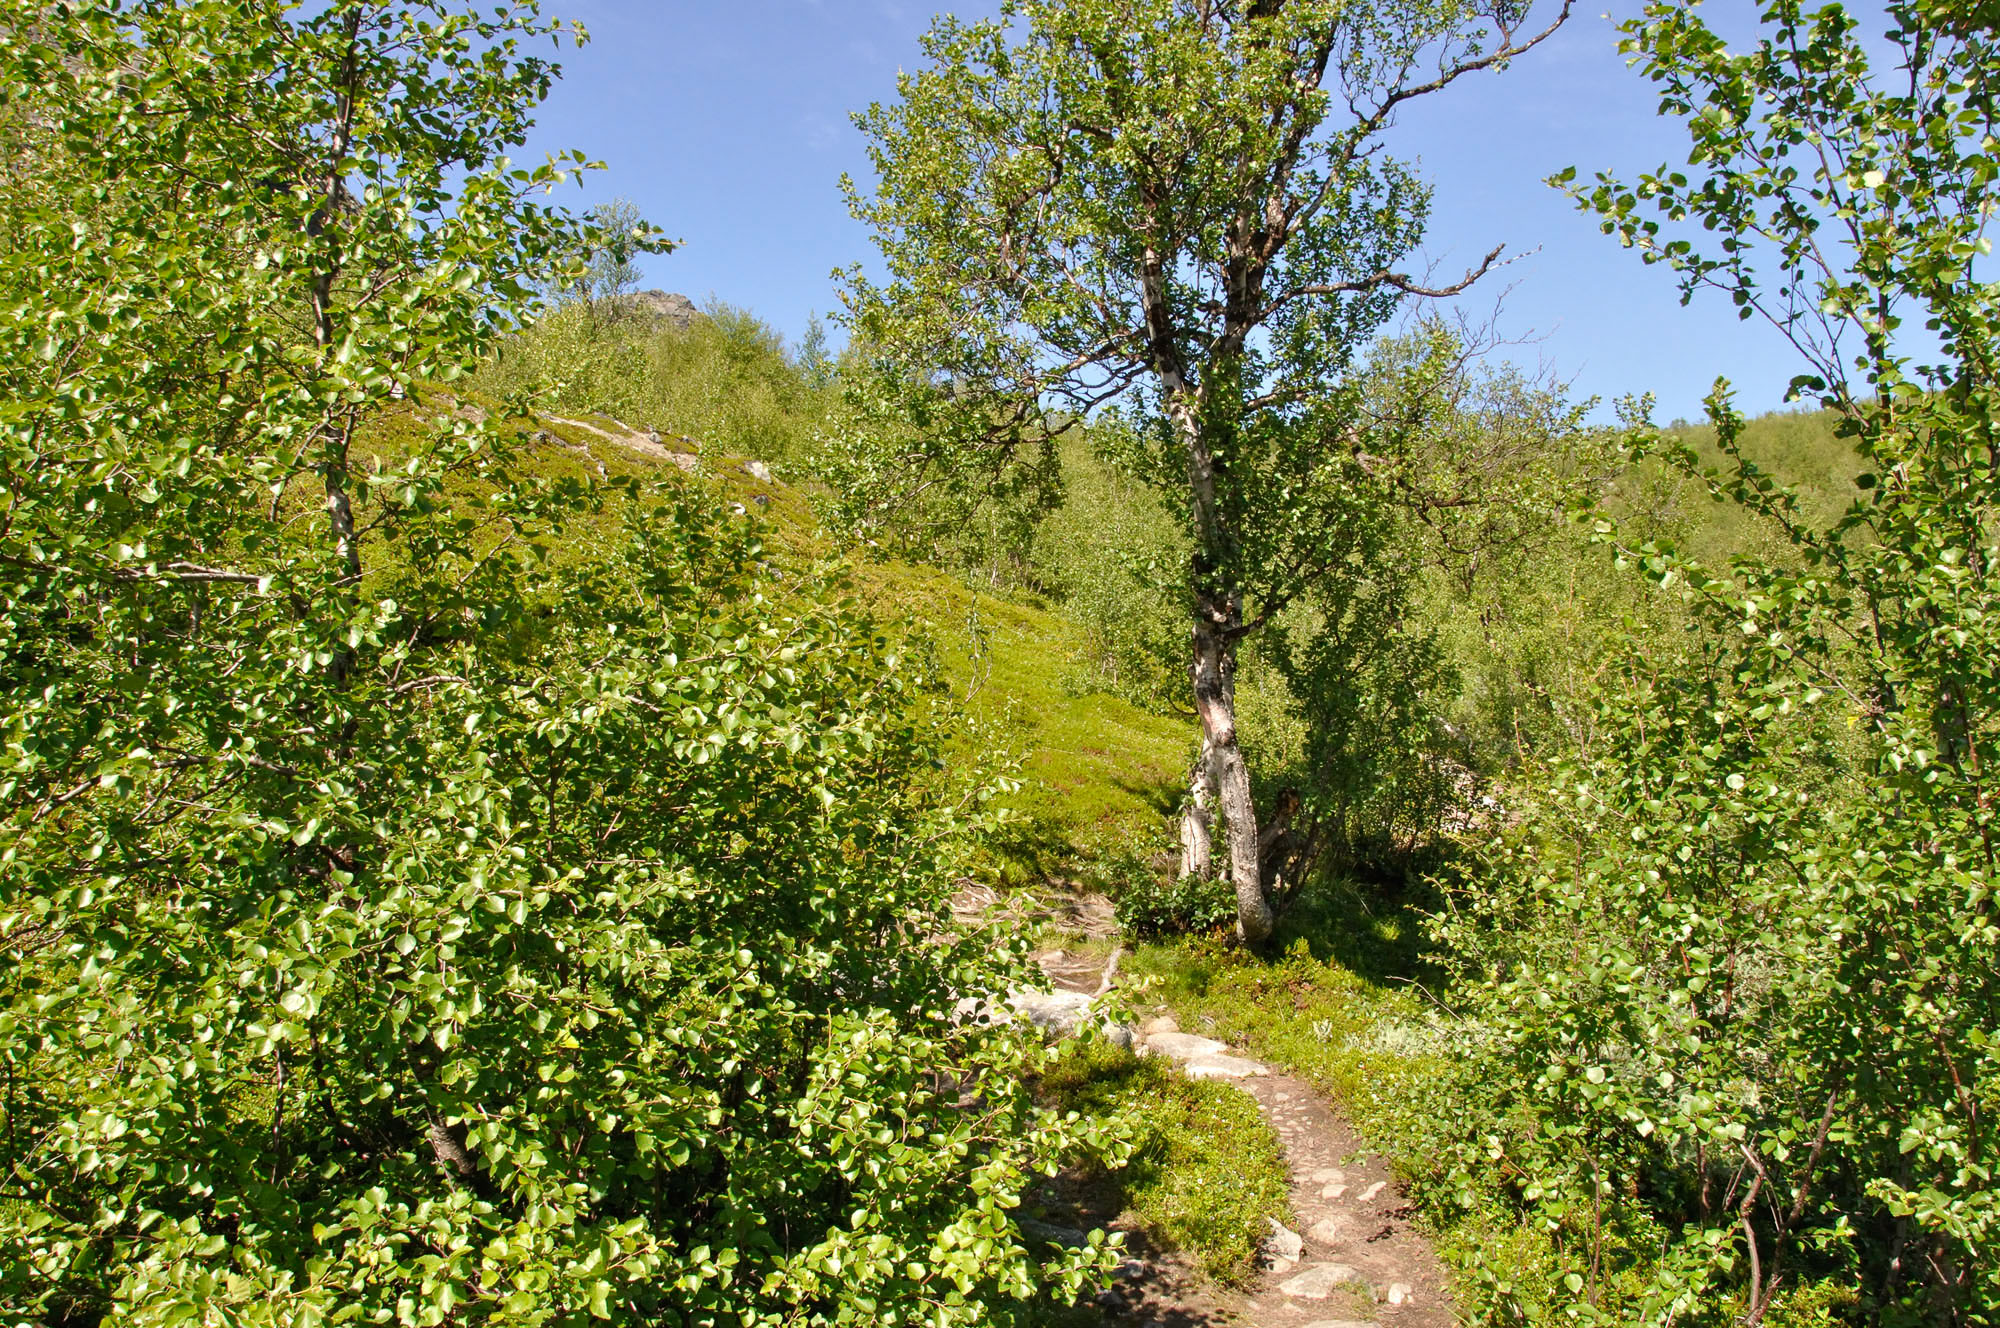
pixel 1328 1231
pixel 1186 1046
pixel 1050 1234
pixel 1224 1067
pixel 1165 1023
pixel 1121 1035
pixel 1056 1012
pixel 1284 1242
pixel 758 471
pixel 676 311
pixel 1319 1281
pixel 978 1009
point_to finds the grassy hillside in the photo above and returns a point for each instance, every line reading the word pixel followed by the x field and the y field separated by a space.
pixel 1098 775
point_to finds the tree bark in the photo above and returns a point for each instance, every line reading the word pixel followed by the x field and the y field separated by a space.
pixel 1198 819
pixel 1218 601
pixel 1214 672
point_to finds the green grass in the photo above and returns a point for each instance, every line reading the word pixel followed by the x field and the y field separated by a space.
pixel 1206 1171
pixel 1099 775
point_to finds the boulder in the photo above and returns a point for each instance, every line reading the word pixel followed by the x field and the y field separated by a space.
pixel 675 311
pixel 1059 1013
pixel 1048 1233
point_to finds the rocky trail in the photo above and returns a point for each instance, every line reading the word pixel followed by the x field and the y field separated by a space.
pixel 1354 1260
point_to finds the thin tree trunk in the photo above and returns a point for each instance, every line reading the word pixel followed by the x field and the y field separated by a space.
pixel 1218 604
pixel 1197 820
pixel 1215 702
pixel 338 435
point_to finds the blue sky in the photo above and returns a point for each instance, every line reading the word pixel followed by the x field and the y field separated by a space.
pixel 727 124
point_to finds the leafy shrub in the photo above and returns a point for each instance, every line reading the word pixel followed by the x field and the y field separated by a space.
pixel 1736 956
pixel 437 888
pixel 726 381
pixel 1153 903
pixel 1110 557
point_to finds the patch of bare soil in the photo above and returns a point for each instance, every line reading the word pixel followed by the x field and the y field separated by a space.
pixel 1060 905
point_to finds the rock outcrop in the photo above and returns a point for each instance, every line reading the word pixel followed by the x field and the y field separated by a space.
pixel 675 311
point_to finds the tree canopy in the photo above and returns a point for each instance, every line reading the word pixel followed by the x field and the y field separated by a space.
pixel 1184 210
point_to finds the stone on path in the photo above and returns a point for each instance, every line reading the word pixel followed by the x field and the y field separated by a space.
pixel 1186 1046
pixel 1284 1242
pixel 1319 1281
pixel 1328 1176
pixel 1051 1234
pixel 1400 1293
pixel 1368 1195
pixel 1340 1323
pixel 1328 1230
pixel 1057 1012
pixel 1224 1067
pixel 1333 1191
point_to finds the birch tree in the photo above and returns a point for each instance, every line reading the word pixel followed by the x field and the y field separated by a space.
pixel 1186 211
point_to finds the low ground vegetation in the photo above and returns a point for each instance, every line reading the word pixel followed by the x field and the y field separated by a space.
pixel 1205 1176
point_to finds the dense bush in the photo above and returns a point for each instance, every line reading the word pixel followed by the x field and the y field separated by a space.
pixel 1152 903
pixel 437 887
pixel 1735 960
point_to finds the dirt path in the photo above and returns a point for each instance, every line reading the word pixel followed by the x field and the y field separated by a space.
pixel 1354 1259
